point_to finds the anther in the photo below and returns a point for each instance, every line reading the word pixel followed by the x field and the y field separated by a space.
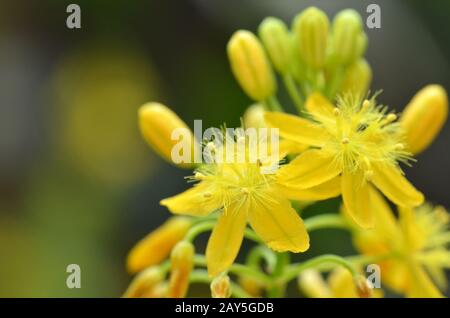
pixel 199 176
pixel 207 194
pixel 336 111
pixel 399 147
pixel 390 118
pixel 365 104
pixel 345 140
pixel 368 175
pixel 245 191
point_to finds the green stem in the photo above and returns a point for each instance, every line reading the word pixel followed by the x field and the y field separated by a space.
pixel 278 289
pixel 273 104
pixel 293 92
pixel 324 221
pixel 198 229
pixel 295 269
pixel 261 252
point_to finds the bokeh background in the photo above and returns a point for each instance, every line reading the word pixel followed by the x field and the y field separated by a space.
pixel 79 185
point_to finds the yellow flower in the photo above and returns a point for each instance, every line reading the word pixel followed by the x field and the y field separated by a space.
pixel 242 193
pixel 156 246
pixel 412 248
pixel 424 117
pixel 157 124
pixel 339 284
pixel 182 263
pixel 355 144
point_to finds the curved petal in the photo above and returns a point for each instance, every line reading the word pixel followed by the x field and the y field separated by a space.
pixel 385 222
pixel 277 223
pixel 326 190
pixel 309 169
pixel 197 201
pixel 291 147
pixel 356 197
pixel 226 238
pixel 296 129
pixel 421 285
pixel 390 180
pixel 319 106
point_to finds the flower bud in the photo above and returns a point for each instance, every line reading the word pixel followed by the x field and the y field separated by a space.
pixel 158 124
pixel 254 116
pixel 424 116
pixel 363 287
pixel 311 283
pixel 311 31
pixel 220 287
pixel 276 39
pixel 143 284
pixel 251 286
pixel 156 246
pixel 357 78
pixel 347 42
pixel 182 263
pixel 250 65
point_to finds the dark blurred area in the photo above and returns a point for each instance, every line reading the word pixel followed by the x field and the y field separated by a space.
pixel 77 182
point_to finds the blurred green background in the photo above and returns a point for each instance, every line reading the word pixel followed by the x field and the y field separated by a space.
pixel 79 185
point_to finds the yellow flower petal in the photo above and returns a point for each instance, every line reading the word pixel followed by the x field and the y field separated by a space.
pixel 390 180
pixel 277 223
pixel 356 197
pixel 385 222
pixel 326 190
pixel 312 284
pixel 309 169
pixel 291 147
pixel 342 284
pixel 319 106
pixel 226 238
pixel 156 246
pixel 296 129
pixel 421 284
pixel 198 201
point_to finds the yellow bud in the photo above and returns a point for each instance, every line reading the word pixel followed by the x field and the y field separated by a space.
pixel 182 262
pixel 276 39
pixel 424 116
pixel 363 287
pixel 311 31
pixel 347 43
pixel 144 283
pixel 250 65
pixel 157 123
pixel 254 116
pixel 220 287
pixel 311 283
pixel 357 78
pixel 251 286
pixel 156 246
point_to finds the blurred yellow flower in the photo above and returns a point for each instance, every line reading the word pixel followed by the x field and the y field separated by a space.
pixel 339 284
pixel 412 248
pixel 156 246
pixel 146 284
pixel 355 144
pixel 424 117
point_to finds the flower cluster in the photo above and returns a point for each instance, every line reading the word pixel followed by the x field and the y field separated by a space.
pixel 342 143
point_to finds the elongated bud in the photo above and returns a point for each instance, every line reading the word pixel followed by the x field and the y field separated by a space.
pixel 156 246
pixel 250 65
pixel 357 78
pixel 276 39
pixel 311 283
pixel 254 116
pixel 182 262
pixel 251 286
pixel 363 287
pixel 311 31
pixel 424 117
pixel 144 283
pixel 220 287
pixel 165 132
pixel 347 42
